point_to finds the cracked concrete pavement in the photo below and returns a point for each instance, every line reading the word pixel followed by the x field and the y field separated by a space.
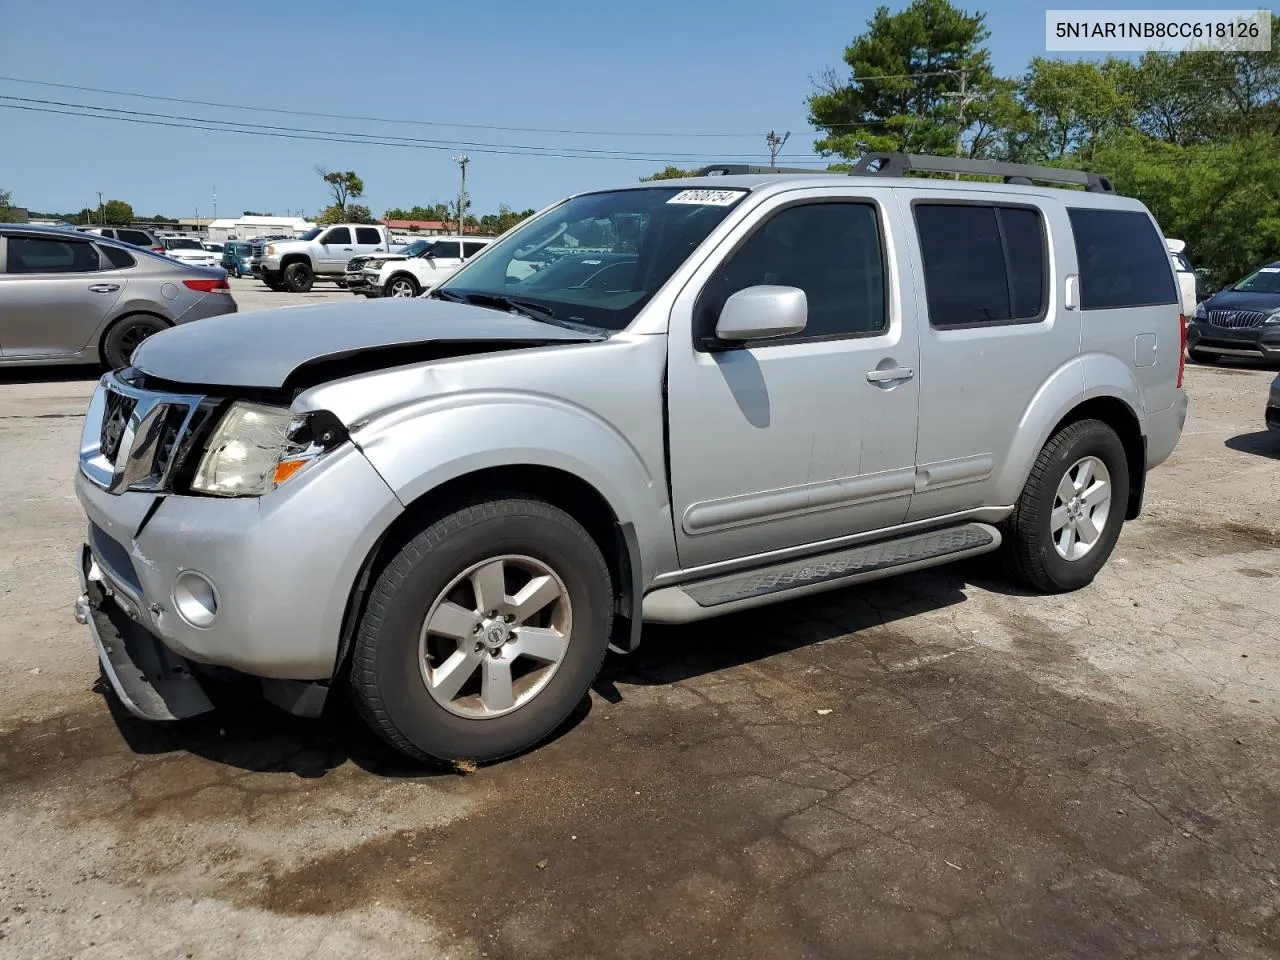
pixel 932 766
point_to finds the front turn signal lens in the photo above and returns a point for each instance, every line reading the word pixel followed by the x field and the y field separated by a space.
pixel 286 469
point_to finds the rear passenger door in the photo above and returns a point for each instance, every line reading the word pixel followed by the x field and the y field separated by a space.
pixel 368 241
pixel 995 333
pixel 54 293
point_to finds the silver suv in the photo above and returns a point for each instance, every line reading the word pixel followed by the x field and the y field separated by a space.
pixel 767 384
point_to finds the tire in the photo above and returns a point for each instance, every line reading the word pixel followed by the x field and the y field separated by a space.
pixel 1032 549
pixel 273 282
pixel 401 285
pixel 390 673
pixel 1205 359
pixel 298 277
pixel 125 337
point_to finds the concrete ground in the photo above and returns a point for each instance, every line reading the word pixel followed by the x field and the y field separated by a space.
pixel 933 766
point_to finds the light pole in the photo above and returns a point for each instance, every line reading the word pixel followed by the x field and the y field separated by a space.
pixel 102 211
pixel 462 160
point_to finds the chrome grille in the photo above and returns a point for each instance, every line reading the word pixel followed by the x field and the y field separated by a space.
pixel 1236 319
pixel 134 438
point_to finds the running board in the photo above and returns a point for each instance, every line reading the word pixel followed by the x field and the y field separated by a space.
pixel 797 578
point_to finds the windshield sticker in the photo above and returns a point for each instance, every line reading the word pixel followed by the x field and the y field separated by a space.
pixel 591 263
pixel 1270 270
pixel 708 198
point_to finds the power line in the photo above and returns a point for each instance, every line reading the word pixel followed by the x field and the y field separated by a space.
pixel 191 123
pixel 368 119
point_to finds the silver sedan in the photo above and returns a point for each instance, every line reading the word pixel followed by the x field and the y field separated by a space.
pixel 69 297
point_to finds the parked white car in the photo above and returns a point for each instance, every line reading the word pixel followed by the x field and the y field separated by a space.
pixel 414 270
pixel 1186 276
pixel 189 250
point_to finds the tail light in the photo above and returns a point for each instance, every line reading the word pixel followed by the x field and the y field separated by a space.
pixel 1182 350
pixel 157 249
pixel 221 286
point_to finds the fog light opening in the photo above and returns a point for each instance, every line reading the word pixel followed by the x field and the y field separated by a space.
pixel 195 598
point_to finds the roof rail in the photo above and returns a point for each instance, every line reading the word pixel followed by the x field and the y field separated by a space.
pixel 899 164
pixel 742 169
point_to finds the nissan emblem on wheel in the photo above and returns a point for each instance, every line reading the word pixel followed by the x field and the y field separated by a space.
pixel 653 404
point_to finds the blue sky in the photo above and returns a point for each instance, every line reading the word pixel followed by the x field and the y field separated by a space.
pixel 661 67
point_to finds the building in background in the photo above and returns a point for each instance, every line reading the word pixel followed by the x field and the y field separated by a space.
pixel 247 228
pixel 417 228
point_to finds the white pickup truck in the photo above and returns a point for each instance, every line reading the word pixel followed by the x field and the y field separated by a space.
pixel 322 252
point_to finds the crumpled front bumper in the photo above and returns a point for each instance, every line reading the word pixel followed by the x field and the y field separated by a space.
pixel 282 565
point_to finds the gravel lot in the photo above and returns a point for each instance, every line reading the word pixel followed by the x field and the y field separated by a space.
pixel 933 766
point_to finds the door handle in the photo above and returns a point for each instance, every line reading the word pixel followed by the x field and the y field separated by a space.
pixel 346 249
pixel 104 288
pixel 892 375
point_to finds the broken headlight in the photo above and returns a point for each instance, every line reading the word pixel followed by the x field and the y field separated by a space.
pixel 256 447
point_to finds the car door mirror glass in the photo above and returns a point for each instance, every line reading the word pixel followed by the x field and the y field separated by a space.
pixel 762 312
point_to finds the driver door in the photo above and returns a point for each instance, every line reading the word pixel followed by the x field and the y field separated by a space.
pixel 336 248
pixel 807 438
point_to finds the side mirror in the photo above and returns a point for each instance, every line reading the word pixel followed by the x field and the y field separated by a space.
pixel 762 312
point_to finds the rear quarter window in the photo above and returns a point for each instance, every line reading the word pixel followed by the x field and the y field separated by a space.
pixel 1123 261
pixel 120 259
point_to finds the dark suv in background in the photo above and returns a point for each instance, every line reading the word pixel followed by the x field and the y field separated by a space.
pixel 1242 320
pixel 130 235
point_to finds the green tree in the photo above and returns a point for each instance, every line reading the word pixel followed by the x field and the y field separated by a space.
pixel 255 213
pixel 1076 103
pixel 344 186
pixel 669 172
pixel 6 205
pixel 503 220
pixel 905 73
pixel 436 211
pixel 351 213
pixel 118 212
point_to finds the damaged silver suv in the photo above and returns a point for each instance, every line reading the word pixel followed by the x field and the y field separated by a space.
pixel 658 404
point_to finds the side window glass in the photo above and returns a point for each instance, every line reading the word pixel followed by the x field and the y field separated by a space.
pixel 982 264
pixel 831 251
pixel 471 249
pixel 338 235
pixel 368 235
pixel 118 258
pixel 40 255
pixel 1123 262
pixel 446 250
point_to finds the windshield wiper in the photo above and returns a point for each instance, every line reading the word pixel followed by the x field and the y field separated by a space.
pixel 526 308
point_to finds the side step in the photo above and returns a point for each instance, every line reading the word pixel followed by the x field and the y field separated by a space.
pixel 797 578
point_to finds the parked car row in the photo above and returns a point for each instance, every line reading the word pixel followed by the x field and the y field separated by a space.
pixel 412 270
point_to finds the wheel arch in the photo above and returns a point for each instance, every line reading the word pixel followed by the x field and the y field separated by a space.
pixel 291 258
pixel 1120 417
pixel 577 497
pixel 395 275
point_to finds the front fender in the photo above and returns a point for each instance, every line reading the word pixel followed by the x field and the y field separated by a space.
pixel 1085 377
pixel 419 448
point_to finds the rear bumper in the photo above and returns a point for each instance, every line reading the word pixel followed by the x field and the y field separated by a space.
pixel 1164 430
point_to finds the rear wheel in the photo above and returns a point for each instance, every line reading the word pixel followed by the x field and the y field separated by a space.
pixel 401 285
pixel 126 336
pixel 484 632
pixel 298 277
pixel 1069 516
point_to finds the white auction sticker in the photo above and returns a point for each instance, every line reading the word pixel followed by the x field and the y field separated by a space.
pixel 708 198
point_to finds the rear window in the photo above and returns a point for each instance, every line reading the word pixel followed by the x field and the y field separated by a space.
pixel 983 264
pixel 470 249
pixel 136 237
pixel 120 259
pixel 1122 260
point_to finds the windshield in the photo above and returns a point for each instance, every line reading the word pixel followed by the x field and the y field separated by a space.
pixel 636 238
pixel 1266 280
pixel 311 234
pixel 240 249
pixel 181 243
pixel 417 248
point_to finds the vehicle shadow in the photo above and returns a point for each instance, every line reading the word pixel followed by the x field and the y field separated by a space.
pixel 1261 443
pixel 83 372
pixel 247 733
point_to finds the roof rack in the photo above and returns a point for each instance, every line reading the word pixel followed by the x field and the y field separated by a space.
pixel 746 169
pixel 900 164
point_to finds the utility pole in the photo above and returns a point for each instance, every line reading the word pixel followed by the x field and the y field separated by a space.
pixel 102 211
pixel 462 160
pixel 775 144
pixel 215 201
pixel 963 98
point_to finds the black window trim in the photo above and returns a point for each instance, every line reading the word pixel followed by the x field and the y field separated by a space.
pixel 1045 261
pixel 702 341
pixel 1173 273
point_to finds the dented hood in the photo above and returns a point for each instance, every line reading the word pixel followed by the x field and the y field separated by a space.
pixel 263 349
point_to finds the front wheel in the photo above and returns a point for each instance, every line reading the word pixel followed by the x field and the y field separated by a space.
pixel 1069 516
pixel 483 632
pixel 401 286
pixel 298 277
